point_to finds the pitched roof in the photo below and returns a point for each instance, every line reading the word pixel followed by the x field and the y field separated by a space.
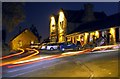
pixel 110 21
pixel 77 15
pixel 74 15
pixel 55 16
pixel 100 15
pixel 20 33
pixel 15 35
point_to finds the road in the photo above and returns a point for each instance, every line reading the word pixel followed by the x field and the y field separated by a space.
pixel 94 64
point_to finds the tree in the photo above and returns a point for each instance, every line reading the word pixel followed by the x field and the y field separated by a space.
pixel 34 30
pixel 46 40
pixel 39 38
pixel 13 14
pixel 3 35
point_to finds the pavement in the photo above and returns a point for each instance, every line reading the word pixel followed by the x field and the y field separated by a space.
pixel 104 64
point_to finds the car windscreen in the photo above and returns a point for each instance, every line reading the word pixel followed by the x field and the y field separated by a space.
pixel 53 44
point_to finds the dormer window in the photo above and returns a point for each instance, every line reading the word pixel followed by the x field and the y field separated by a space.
pixel 52 20
pixel 61 16
pixel 53 27
pixel 61 24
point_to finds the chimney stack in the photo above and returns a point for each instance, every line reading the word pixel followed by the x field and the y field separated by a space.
pixel 88 9
pixel 88 13
pixel 119 6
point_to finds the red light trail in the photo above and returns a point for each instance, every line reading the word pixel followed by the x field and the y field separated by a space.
pixel 51 57
pixel 5 57
pixel 11 62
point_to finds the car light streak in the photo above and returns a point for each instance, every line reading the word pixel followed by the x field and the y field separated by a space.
pixel 48 58
pixel 71 53
pixel 37 52
pixel 64 54
pixel 38 58
pixel 22 51
pixel 104 47
pixel 12 62
pixel 105 51
pixel 30 66
pixel 75 53
pixel 117 47
pixel 35 69
pixel 16 65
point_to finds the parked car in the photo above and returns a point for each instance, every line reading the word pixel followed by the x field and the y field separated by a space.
pixel 60 46
pixel 67 45
pixel 34 46
pixel 52 46
pixel 43 46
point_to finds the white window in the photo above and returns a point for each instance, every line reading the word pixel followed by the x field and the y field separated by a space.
pixel 20 43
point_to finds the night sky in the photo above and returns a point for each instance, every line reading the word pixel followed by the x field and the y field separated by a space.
pixel 38 13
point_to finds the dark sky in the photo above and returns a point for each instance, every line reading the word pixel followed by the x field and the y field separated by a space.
pixel 38 13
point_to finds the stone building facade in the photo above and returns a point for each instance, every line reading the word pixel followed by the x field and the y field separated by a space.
pixel 85 26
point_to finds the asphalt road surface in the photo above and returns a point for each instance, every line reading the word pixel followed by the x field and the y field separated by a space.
pixel 94 64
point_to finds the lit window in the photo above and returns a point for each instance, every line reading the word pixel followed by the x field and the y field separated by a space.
pixel 53 27
pixel 26 30
pixel 97 34
pixel 20 43
pixel 32 42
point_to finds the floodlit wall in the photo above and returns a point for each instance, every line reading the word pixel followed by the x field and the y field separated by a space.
pixel 23 40
pixel 112 36
pixel 86 38
pixel 91 37
pixel 62 23
pixel 53 29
